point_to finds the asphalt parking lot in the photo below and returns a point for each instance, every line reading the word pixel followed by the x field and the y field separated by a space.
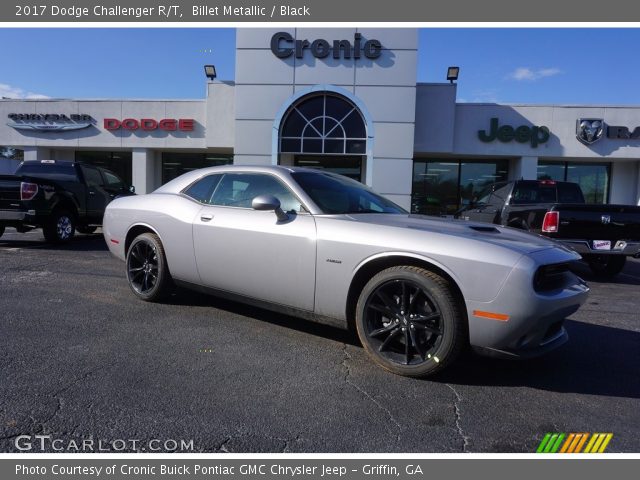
pixel 81 358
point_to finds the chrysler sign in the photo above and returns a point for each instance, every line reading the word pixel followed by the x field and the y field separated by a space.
pixel 283 45
pixel 49 122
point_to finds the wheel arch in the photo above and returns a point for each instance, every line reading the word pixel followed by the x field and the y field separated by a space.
pixel 65 202
pixel 374 265
pixel 138 229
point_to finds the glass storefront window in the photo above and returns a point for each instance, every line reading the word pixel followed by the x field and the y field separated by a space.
pixel 117 162
pixel 476 176
pixel 593 178
pixel 442 187
pixel 323 123
pixel 551 171
pixel 175 164
pixel 349 166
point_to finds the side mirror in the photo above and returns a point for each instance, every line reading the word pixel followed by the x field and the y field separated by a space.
pixel 269 202
pixel 132 189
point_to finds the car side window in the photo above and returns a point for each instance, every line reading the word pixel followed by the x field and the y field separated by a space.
pixel 202 190
pixel 500 193
pixel 92 176
pixel 112 181
pixel 239 190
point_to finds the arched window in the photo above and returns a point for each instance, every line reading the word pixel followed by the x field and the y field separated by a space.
pixel 323 124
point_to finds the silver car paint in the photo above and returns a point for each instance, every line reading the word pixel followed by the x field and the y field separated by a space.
pixel 250 253
pixel 309 262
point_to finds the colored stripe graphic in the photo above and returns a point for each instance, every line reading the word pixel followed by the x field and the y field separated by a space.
pixel 568 443
pixel 581 443
pixel 574 442
pixel 543 443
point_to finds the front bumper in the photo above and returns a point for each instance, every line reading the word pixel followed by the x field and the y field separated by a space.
pixel 535 318
pixel 621 247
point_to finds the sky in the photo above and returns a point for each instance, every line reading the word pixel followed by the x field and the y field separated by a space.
pixel 541 65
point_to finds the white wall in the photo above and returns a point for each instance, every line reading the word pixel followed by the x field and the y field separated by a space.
pixel 624 183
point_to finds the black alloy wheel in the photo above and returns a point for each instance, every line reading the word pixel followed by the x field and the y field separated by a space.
pixel 147 270
pixel 409 321
pixel 60 227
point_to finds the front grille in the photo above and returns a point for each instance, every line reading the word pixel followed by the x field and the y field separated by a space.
pixel 550 277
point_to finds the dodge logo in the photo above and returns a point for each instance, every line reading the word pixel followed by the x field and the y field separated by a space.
pixel 606 219
pixel 589 130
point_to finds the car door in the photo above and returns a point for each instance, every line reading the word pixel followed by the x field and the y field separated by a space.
pixel 251 252
pixel 97 197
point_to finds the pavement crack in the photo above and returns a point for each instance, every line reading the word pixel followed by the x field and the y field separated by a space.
pixel 347 357
pixel 79 379
pixel 458 415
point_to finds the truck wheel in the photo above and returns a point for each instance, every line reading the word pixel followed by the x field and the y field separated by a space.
pixel 147 270
pixel 410 321
pixel 606 266
pixel 60 227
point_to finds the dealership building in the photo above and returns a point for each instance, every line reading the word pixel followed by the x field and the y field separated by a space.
pixel 346 100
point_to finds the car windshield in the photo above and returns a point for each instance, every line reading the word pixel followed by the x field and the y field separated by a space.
pixel 335 194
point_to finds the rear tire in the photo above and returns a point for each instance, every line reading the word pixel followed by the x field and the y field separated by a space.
pixel 147 270
pixel 60 227
pixel 606 266
pixel 410 321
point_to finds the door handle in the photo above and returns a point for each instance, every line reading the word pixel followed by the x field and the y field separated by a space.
pixel 206 218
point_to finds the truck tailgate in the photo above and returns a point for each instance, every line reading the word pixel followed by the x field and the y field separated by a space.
pixel 598 222
pixel 9 192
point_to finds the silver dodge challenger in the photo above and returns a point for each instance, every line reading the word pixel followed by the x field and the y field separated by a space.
pixel 321 246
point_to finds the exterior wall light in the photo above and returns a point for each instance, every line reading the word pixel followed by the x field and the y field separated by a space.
pixel 452 73
pixel 210 71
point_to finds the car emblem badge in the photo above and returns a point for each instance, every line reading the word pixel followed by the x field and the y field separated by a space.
pixel 589 130
pixel 606 219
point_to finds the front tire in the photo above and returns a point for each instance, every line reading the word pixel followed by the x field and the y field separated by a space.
pixel 60 227
pixel 410 322
pixel 606 266
pixel 147 270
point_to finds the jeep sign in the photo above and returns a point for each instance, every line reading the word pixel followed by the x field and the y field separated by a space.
pixel 522 134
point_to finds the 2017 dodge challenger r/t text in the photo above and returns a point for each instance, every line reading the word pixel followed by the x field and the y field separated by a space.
pixel 325 247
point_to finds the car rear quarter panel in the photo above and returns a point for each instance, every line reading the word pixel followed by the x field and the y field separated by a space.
pixel 170 216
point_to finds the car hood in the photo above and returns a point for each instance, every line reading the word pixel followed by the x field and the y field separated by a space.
pixel 514 239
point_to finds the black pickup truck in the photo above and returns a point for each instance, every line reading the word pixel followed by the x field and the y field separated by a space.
pixel 603 234
pixel 58 197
